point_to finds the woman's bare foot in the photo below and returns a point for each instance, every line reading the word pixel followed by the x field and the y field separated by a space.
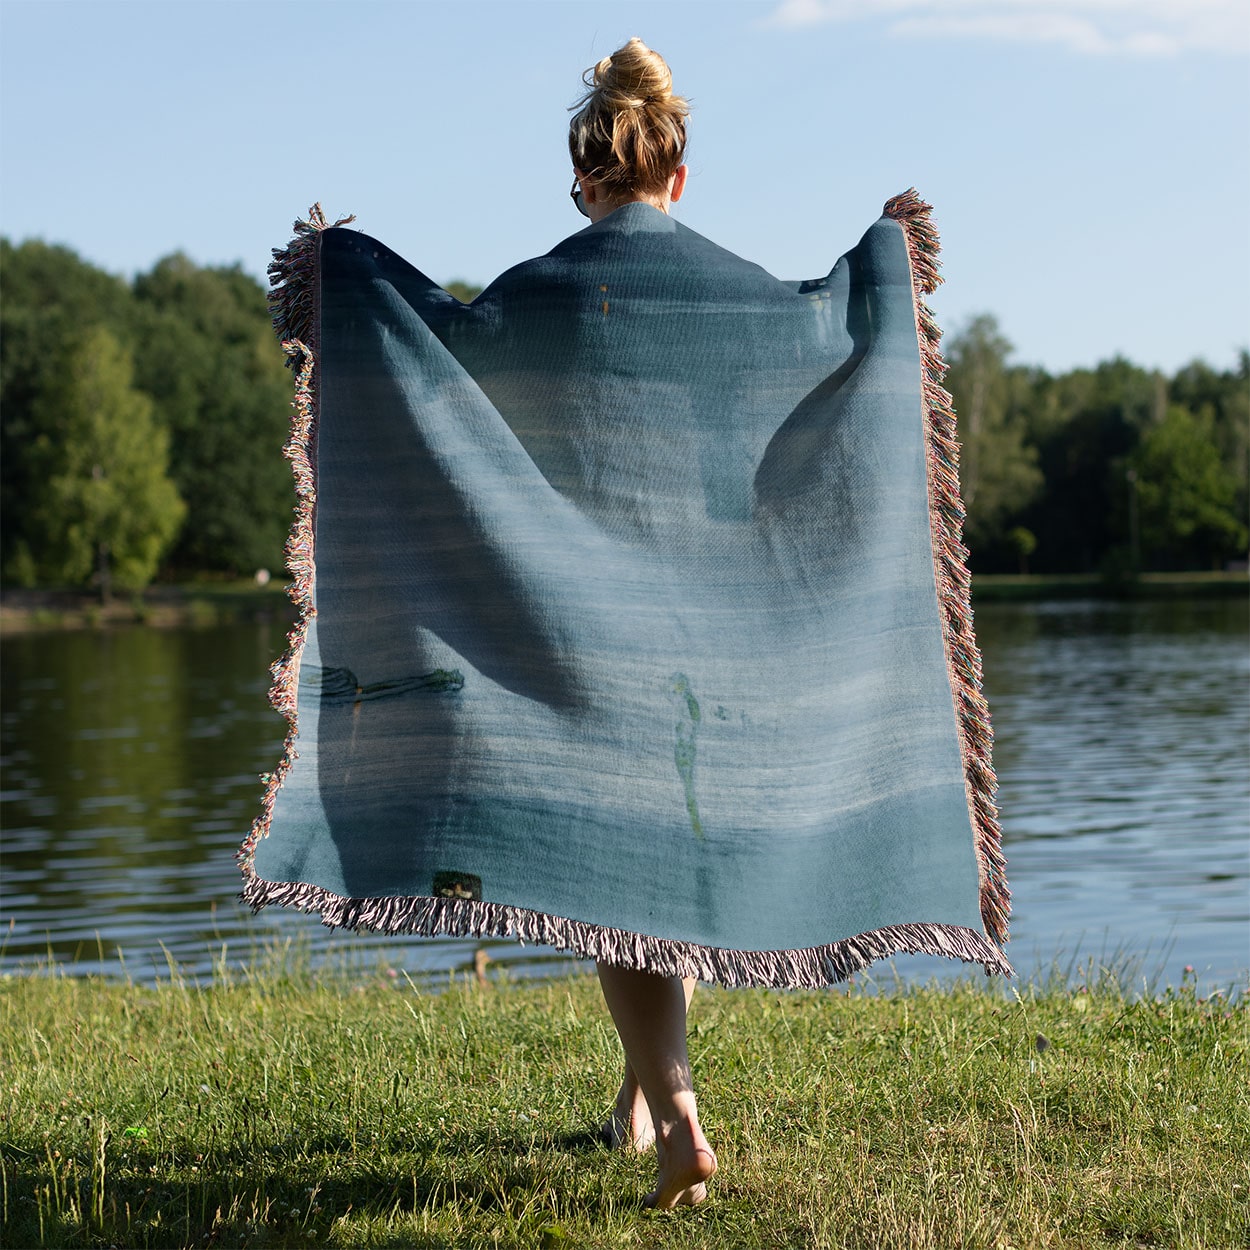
pixel 686 1165
pixel 629 1126
pixel 649 1011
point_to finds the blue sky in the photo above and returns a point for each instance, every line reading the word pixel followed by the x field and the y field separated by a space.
pixel 1089 160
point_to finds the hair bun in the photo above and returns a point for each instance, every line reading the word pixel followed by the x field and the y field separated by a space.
pixel 633 77
pixel 629 129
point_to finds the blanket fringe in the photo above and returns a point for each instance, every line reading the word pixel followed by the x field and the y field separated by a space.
pixel 811 968
pixel 293 299
pixel 950 558
pixel 293 303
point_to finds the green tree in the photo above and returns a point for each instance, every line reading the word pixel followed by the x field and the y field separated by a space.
pixel 1186 493
pixel 1221 398
pixel 208 358
pixel 1087 423
pixel 51 297
pixel 465 292
pixel 997 466
pixel 102 504
pixel 1024 543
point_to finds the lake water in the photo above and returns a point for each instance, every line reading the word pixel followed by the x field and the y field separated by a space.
pixel 1123 750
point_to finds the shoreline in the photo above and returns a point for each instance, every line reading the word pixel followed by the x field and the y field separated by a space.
pixel 205 604
pixel 1031 587
pixel 174 606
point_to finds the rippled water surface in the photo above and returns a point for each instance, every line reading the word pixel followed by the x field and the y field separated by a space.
pixel 131 758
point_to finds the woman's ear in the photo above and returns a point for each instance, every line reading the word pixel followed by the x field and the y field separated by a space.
pixel 678 184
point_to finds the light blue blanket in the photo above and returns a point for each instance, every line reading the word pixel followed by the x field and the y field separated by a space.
pixel 635 616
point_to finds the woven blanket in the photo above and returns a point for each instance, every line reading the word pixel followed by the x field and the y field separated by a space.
pixel 634 616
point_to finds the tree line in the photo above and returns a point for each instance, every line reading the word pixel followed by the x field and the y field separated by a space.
pixel 1114 470
pixel 140 425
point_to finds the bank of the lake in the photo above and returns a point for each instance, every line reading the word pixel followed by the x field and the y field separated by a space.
pixel 1036 588
pixel 282 1108
pixel 171 606
pixel 225 602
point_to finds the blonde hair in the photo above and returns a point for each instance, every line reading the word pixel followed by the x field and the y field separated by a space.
pixel 629 131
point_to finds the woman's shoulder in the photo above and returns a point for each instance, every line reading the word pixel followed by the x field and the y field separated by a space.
pixel 640 246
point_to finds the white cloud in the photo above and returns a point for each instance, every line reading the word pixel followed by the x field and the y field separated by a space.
pixel 1137 28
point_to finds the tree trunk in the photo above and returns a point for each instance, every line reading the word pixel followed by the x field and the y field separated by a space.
pixel 105 574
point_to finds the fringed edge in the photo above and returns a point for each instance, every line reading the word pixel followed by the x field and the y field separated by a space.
pixel 294 305
pixel 950 558
pixel 811 968
pixel 293 272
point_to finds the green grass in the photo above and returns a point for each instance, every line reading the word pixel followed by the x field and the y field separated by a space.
pixel 280 1107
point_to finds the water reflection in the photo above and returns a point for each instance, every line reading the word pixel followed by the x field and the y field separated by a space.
pixel 1123 733
pixel 131 762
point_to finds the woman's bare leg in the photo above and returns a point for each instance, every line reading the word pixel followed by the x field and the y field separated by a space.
pixel 649 1012
pixel 629 1126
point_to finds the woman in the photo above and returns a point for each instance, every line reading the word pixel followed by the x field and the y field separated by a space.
pixel 628 143
pixel 639 624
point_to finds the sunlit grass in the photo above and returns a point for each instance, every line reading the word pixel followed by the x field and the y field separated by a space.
pixel 279 1106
